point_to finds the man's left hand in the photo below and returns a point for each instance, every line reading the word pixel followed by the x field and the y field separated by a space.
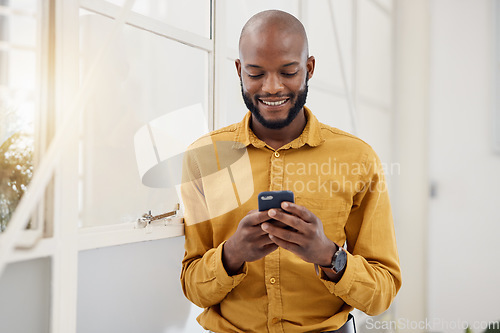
pixel 309 241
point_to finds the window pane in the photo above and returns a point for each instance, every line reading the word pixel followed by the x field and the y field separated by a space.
pixel 20 29
pixel 322 42
pixel 18 75
pixel 143 77
pixel 375 53
pixel 25 290
pixel 330 109
pixel 25 5
pixel 386 4
pixel 232 108
pixel 190 15
pixel 375 127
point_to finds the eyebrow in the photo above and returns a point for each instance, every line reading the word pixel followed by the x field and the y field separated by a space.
pixel 286 65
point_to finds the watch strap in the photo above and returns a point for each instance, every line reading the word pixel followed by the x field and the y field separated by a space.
pixel 340 251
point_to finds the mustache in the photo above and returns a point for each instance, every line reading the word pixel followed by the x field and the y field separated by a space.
pixel 274 96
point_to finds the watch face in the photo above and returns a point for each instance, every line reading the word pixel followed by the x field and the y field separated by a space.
pixel 340 261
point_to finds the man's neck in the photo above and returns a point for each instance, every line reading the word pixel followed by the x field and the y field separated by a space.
pixel 277 138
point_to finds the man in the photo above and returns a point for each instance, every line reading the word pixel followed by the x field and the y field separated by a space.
pixel 284 270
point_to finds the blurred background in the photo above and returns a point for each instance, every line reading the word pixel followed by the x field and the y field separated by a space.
pixel 417 79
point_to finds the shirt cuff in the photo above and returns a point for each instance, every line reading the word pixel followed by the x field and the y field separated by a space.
pixel 342 287
pixel 221 275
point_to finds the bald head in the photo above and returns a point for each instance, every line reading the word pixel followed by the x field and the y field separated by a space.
pixel 272 22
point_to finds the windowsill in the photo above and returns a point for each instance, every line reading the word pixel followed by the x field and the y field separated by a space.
pixel 104 236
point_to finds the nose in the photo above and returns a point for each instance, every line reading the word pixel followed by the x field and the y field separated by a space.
pixel 272 84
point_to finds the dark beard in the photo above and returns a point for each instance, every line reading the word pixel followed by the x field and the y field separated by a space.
pixel 278 124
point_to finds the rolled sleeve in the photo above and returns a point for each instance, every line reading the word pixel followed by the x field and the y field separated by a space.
pixel 342 287
pixel 226 281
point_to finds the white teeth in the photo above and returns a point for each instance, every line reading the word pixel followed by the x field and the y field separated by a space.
pixel 274 103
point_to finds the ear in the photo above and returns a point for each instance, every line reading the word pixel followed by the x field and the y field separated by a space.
pixel 237 62
pixel 311 63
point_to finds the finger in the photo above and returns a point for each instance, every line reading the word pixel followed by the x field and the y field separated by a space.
pixel 280 224
pixel 288 219
pixel 283 234
pixel 264 240
pixel 270 248
pixel 257 217
pixel 292 247
pixel 300 211
pixel 253 234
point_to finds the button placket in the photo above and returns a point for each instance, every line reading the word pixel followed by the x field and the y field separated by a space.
pixel 277 171
pixel 272 260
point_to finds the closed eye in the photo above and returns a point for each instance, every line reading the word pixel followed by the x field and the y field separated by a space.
pixel 254 76
pixel 290 74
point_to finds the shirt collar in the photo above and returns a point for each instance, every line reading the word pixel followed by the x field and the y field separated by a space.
pixel 311 134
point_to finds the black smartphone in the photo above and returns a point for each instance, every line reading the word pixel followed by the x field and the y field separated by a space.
pixel 273 199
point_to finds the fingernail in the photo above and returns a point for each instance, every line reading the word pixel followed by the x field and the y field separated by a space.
pixel 272 212
pixel 285 204
pixel 264 226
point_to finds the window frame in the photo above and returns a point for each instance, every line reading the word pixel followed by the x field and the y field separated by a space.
pixel 57 81
pixel 124 233
pixel 42 121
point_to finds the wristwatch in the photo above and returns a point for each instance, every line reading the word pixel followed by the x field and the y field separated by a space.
pixel 339 261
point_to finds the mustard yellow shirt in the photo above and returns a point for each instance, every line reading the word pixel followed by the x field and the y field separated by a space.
pixel 332 173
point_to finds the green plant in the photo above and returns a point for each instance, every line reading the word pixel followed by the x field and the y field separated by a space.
pixel 493 327
pixel 16 170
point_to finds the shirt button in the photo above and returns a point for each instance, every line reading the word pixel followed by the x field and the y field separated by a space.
pixel 272 280
pixel 276 154
pixel 276 320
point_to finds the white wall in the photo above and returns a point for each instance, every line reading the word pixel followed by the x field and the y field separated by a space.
pixel 134 288
pixel 410 196
pixel 25 297
pixel 463 256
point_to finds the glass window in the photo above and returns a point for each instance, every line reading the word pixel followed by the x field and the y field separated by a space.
pixel 375 53
pixel 189 15
pixel 232 108
pixel 18 77
pixel 375 126
pixel 386 4
pixel 330 109
pixel 142 78
pixel 322 43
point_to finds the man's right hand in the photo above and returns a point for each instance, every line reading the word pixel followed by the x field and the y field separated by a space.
pixel 248 243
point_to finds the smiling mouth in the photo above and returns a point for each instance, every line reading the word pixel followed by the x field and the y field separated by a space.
pixel 274 103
